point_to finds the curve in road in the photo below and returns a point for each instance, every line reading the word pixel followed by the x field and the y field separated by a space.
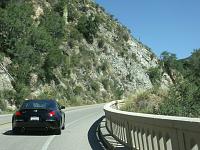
pixel 79 133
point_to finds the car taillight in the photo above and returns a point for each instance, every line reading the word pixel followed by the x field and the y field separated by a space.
pixel 18 113
pixel 52 113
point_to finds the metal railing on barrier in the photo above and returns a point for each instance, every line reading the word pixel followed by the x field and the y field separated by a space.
pixel 140 131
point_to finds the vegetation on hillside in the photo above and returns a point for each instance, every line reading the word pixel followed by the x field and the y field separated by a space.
pixel 32 48
pixel 54 50
pixel 183 96
pixel 56 55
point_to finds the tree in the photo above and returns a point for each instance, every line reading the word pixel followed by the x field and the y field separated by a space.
pixel 59 7
pixel 194 67
pixel 53 60
pixel 54 24
pixel 22 92
pixel 88 26
pixel 183 100
pixel 169 62
pixel 13 27
pixel 40 39
pixel 72 13
pixel 155 75
pixel 4 3
pixel 184 97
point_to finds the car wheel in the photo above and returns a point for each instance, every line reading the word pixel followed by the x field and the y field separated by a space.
pixel 63 127
pixel 58 131
pixel 16 131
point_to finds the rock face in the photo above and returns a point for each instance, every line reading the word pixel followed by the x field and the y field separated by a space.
pixel 5 78
pixel 131 70
pixel 117 63
pixel 5 83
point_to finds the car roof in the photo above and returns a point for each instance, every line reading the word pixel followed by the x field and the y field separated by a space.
pixel 40 100
pixel 31 102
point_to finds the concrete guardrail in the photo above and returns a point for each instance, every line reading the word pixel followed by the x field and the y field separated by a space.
pixel 139 131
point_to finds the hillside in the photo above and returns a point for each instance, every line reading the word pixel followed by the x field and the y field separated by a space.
pixel 182 97
pixel 69 50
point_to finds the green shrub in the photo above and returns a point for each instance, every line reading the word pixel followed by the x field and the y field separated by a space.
pixel 48 93
pixel 105 67
pixel 78 90
pixel 191 68
pixel 72 13
pixel 95 85
pixel 75 60
pixel 86 53
pixel 75 34
pixel 76 101
pixel 4 3
pixel 72 43
pixel 169 63
pixel 22 92
pixel 13 27
pixel 101 43
pixel 134 57
pixel 155 75
pixel 54 24
pixel 40 39
pixel 59 7
pixel 54 59
pixel 183 100
pixel 88 26
pixel 9 95
pixel 106 83
pixel 2 55
pixel 118 92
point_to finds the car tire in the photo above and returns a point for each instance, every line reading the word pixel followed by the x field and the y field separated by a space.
pixel 63 127
pixel 58 131
pixel 16 131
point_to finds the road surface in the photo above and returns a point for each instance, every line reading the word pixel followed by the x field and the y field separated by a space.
pixel 80 133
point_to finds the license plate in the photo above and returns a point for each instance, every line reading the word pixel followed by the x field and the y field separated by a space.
pixel 34 118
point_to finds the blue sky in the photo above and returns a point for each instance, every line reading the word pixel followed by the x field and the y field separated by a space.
pixel 163 25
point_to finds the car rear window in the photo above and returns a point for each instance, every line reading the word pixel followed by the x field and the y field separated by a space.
pixel 39 104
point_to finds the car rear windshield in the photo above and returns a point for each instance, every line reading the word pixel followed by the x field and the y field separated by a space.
pixel 39 104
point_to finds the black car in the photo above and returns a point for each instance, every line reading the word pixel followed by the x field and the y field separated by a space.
pixel 42 115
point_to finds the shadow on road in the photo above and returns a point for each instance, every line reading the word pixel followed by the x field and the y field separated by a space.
pixel 28 133
pixel 93 138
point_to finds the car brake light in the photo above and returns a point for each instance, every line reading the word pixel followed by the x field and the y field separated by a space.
pixel 52 113
pixel 18 113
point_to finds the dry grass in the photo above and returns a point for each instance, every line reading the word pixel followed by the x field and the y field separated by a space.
pixel 145 101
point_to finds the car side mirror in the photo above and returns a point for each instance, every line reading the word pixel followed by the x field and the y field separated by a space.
pixel 62 107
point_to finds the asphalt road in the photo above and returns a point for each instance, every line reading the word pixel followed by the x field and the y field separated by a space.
pixel 4 119
pixel 80 133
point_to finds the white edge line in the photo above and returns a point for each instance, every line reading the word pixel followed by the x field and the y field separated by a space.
pixel 78 120
pixel 50 139
pixel 48 142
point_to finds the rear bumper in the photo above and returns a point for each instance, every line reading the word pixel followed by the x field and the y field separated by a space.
pixel 37 126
